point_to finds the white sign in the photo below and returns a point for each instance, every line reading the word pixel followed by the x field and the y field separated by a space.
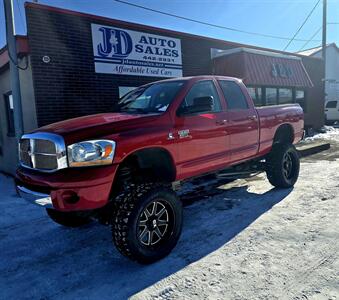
pixel 127 52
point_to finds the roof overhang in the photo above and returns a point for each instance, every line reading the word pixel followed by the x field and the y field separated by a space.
pixel 257 67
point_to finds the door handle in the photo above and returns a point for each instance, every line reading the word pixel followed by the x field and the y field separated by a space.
pixel 221 122
pixel 252 118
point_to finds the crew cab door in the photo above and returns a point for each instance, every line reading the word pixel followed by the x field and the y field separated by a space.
pixel 242 121
pixel 200 130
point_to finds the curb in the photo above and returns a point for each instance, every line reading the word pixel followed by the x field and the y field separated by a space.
pixel 310 149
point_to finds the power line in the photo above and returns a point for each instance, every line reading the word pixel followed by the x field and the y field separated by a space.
pixel 306 43
pixel 302 25
pixel 209 24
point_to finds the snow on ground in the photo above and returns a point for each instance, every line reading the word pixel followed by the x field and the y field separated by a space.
pixel 330 134
pixel 244 240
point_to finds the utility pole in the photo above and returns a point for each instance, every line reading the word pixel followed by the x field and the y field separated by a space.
pixel 13 66
pixel 324 33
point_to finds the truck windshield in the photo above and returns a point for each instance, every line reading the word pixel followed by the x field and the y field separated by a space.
pixel 152 98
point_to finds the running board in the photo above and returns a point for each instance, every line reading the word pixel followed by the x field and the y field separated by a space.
pixel 238 174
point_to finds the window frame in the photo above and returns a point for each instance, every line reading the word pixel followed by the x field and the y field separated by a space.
pixel 178 114
pixel 265 95
pixel 258 87
pixel 9 114
pixel 305 97
pixel 248 106
pixel 292 96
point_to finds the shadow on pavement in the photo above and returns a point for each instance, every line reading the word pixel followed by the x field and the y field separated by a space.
pixel 41 260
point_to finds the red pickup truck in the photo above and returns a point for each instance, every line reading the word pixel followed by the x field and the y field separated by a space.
pixel 124 167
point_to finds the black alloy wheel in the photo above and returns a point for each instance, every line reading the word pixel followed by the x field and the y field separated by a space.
pixel 147 223
pixel 155 222
pixel 288 165
pixel 283 165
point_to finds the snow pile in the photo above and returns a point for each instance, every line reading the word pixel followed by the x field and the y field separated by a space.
pixel 330 134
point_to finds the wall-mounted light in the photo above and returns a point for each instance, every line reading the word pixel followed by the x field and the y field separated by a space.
pixel 46 59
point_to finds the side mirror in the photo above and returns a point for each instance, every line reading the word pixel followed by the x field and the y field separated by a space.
pixel 200 105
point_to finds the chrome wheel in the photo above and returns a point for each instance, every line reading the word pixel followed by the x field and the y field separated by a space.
pixel 288 165
pixel 153 223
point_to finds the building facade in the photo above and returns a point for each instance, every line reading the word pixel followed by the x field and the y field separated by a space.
pixel 8 142
pixel 81 64
pixel 331 70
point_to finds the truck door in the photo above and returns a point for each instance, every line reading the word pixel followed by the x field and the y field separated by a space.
pixel 242 121
pixel 200 128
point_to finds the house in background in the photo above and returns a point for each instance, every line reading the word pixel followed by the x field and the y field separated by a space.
pixel 331 69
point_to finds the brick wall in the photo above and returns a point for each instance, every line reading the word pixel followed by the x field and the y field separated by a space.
pixel 68 86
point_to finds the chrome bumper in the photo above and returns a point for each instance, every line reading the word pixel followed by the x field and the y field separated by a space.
pixel 35 197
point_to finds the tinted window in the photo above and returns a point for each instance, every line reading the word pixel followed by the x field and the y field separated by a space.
pixel 300 98
pixel 10 114
pixel 152 98
pixel 201 89
pixel 285 96
pixel 234 96
pixel 331 104
pixel 124 90
pixel 271 96
pixel 256 95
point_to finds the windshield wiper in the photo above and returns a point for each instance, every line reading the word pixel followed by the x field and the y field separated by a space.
pixel 134 109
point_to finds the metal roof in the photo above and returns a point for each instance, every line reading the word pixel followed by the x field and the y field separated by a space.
pixel 263 69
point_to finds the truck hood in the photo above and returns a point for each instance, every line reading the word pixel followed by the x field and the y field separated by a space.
pixel 98 125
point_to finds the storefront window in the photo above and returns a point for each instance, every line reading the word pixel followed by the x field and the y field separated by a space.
pixel 256 95
pixel 285 96
pixel 300 98
pixel 271 96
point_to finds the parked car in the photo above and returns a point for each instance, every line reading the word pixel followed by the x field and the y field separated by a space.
pixel 123 168
pixel 331 111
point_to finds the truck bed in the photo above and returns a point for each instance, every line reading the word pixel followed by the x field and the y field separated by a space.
pixel 271 117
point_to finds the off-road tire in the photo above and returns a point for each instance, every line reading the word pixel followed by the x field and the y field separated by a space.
pixel 281 156
pixel 67 219
pixel 130 205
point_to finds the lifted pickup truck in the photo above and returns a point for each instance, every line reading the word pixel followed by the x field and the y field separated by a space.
pixel 123 168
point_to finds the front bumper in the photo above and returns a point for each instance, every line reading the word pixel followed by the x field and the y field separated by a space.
pixel 33 197
pixel 71 189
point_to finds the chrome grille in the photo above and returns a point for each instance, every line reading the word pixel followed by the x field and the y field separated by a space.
pixel 42 151
pixel 24 147
pixel 44 146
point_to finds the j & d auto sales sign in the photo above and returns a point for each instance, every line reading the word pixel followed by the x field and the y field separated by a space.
pixel 127 52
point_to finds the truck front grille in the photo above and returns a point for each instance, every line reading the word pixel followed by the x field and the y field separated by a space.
pixel 42 151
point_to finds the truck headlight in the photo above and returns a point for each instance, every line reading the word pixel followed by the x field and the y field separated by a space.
pixel 91 153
